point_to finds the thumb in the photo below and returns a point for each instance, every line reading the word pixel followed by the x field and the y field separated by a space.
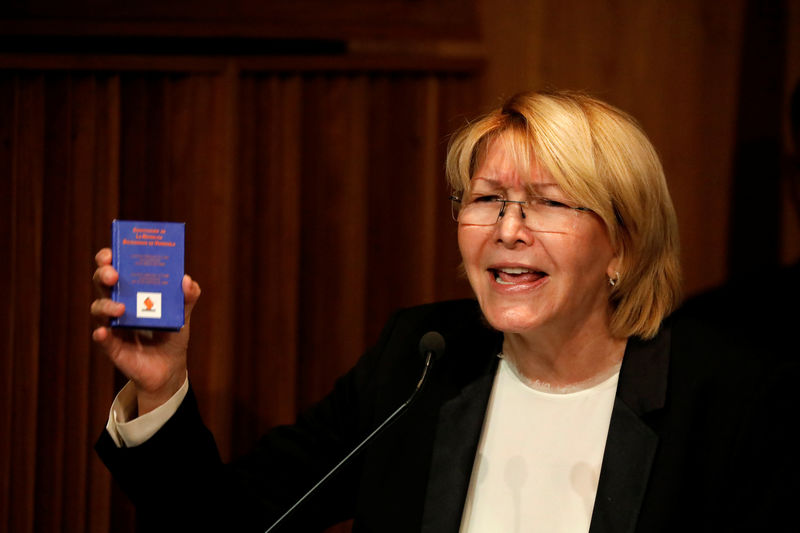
pixel 191 293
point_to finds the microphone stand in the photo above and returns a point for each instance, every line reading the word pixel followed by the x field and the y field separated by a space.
pixel 428 358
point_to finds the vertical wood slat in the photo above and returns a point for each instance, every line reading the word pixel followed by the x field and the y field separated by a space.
pixel 268 201
pixel 430 187
pixel 56 285
pixel 104 201
pixel 145 136
pixel 283 208
pixel 28 171
pixel 332 263
pixel 83 142
pixel 212 214
pixel 8 210
pixel 395 198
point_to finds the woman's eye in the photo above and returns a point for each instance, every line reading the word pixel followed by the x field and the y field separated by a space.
pixel 547 202
pixel 485 198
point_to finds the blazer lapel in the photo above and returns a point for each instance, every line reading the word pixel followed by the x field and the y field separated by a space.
pixel 454 449
pixel 631 444
pixel 630 447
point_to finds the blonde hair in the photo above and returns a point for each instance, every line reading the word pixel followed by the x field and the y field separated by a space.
pixel 602 160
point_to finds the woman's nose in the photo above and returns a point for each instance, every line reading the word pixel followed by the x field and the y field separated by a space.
pixel 511 226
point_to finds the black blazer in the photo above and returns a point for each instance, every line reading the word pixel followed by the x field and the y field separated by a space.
pixel 696 441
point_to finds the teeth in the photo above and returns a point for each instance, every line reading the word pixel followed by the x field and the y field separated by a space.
pixel 511 271
pixel 515 270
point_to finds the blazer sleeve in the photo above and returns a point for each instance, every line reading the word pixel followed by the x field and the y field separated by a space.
pixel 177 480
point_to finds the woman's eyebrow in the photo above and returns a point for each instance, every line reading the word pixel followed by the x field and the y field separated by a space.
pixel 489 181
pixel 540 185
pixel 544 187
pixel 537 188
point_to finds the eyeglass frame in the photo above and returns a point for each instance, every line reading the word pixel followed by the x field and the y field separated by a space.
pixel 505 202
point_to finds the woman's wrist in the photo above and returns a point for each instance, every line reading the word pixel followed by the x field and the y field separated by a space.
pixel 149 400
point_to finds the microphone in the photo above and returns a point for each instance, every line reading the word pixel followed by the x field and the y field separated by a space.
pixel 431 347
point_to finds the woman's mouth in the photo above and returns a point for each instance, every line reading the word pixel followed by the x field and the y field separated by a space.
pixel 516 275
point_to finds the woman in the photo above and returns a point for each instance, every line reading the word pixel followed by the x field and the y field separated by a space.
pixel 549 189
pixel 562 404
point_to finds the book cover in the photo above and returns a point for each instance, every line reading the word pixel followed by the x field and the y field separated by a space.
pixel 149 259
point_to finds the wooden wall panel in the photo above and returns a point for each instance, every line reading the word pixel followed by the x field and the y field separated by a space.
pixel 300 19
pixel 304 194
pixel 52 408
pixel 672 65
pixel 352 226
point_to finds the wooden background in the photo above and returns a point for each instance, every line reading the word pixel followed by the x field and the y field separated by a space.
pixel 303 146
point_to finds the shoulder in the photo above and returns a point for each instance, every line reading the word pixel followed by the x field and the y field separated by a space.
pixel 760 314
pixel 710 351
pixel 729 372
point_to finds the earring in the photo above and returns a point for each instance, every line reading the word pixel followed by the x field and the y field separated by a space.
pixel 613 281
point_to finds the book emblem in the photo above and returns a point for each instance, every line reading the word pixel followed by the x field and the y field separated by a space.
pixel 148 305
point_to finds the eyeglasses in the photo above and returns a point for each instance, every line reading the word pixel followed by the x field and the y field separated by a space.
pixel 538 213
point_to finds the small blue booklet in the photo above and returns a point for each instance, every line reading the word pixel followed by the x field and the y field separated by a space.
pixel 149 259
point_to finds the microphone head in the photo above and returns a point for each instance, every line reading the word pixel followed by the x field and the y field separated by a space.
pixel 432 342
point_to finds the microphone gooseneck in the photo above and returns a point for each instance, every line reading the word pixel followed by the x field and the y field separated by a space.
pixel 431 347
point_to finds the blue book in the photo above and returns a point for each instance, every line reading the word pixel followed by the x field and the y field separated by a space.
pixel 149 259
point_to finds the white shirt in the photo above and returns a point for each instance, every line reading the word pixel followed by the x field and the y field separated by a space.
pixel 130 433
pixel 539 457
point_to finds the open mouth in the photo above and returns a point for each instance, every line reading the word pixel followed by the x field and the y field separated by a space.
pixel 516 275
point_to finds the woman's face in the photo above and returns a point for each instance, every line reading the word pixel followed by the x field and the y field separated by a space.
pixel 554 278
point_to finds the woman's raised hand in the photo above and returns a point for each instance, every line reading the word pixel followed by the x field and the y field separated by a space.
pixel 154 361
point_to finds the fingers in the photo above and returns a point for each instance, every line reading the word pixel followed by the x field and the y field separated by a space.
pixel 104 278
pixel 103 257
pixel 191 289
pixel 191 293
pixel 101 335
pixel 103 308
pixel 105 275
